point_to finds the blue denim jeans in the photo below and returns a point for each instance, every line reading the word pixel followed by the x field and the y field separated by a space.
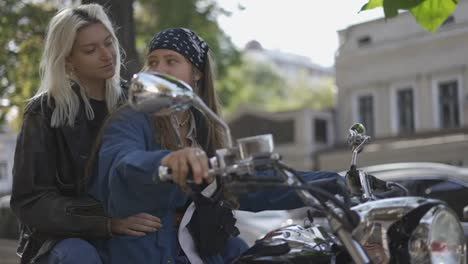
pixel 71 251
pixel 234 248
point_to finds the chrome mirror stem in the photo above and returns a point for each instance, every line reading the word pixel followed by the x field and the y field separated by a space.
pixel 198 102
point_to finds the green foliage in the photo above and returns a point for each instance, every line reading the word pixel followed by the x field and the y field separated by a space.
pixel 23 25
pixel 391 7
pixel 372 4
pixel 304 94
pixel 22 29
pixel 430 14
pixel 249 83
pixel 433 13
pixel 198 15
pixel 260 85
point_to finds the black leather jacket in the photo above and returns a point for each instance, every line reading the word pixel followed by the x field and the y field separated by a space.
pixel 49 196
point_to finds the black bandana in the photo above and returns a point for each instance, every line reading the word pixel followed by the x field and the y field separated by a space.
pixel 183 41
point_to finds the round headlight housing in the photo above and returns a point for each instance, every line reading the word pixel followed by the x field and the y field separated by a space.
pixel 438 238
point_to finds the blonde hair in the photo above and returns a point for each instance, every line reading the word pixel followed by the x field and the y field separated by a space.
pixel 55 83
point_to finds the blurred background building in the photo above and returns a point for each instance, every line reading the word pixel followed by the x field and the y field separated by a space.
pixel 297 134
pixel 408 87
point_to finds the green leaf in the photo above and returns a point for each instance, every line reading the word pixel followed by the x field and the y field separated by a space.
pixel 431 14
pixel 402 4
pixel 391 7
pixel 372 4
pixel 390 11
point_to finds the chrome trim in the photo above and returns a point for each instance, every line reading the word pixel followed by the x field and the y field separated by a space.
pixel 376 219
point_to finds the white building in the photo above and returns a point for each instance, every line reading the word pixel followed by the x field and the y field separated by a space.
pixel 407 86
pixel 297 134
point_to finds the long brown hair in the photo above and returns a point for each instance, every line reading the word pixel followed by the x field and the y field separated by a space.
pixel 210 135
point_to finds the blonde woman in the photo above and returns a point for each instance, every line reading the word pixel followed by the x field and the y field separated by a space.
pixel 80 85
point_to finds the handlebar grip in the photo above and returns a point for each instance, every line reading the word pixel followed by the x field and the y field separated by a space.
pixel 165 175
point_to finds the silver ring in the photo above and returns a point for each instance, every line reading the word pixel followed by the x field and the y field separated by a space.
pixel 199 153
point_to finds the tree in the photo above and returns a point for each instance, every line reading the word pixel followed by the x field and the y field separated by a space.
pixel 152 16
pixel 23 25
pixel 259 84
pixel 22 29
pixel 304 94
pixel 250 82
pixel 121 14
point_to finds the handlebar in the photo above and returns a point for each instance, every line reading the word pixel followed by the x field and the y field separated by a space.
pixel 243 171
pixel 164 175
pixel 240 170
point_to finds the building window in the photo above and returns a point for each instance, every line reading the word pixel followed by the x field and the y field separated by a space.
pixel 320 129
pixel 366 113
pixel 282 130
pixel 449 108
pixel 364 41
pixel 405 108
pixel 3 171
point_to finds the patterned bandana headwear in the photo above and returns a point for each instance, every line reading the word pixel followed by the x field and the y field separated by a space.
pixel 183 41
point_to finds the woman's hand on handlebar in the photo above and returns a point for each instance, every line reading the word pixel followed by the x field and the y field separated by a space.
pixel 186 160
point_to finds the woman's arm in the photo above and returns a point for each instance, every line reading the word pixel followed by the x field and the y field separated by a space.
pixel 282 198
pixel 127 167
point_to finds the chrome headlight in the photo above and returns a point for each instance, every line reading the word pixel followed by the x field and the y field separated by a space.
pixel 439 238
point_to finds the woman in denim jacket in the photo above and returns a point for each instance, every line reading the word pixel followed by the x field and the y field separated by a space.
pixel 134 144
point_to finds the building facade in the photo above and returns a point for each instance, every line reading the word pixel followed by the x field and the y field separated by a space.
pixel 407 86
pixel 297 134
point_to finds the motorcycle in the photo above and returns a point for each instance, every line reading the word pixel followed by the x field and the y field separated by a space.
pixel 364 225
